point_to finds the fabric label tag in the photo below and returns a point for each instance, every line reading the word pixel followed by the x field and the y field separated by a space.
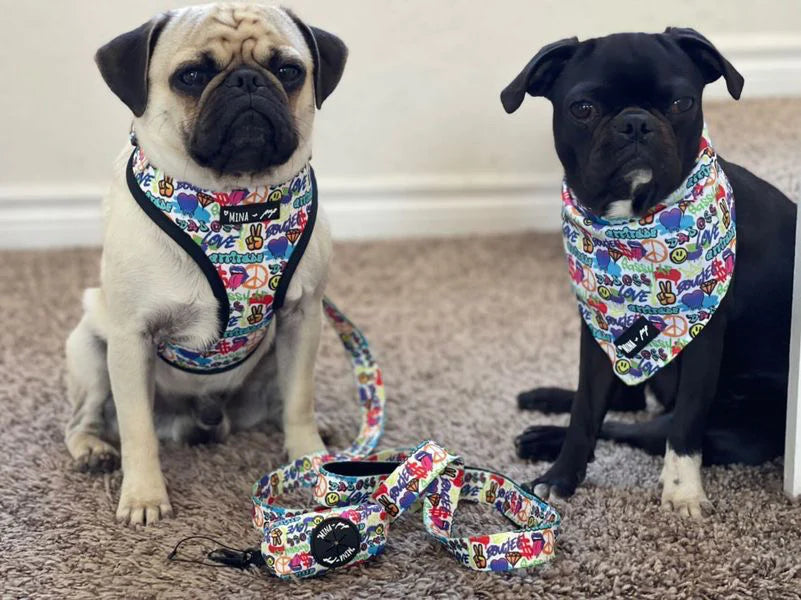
pixel 636 337
pixel 250 213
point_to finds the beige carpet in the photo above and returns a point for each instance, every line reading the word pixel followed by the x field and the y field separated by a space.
pixel 460 327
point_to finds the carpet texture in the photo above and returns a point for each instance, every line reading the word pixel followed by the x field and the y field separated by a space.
pixel 459 326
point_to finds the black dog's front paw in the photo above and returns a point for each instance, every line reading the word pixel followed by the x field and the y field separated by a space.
pixel 546 400
pixel 555 484
pixel 540 442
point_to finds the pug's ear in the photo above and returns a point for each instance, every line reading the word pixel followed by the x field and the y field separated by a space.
pixel 329 54
pixel 707 58
pixel 124 62
pixel 539 74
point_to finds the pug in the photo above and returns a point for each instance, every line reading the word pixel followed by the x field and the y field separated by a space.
pixel 628 125
pixel 215 254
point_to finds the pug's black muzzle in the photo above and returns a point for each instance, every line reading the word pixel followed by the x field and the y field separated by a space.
pixel 245 125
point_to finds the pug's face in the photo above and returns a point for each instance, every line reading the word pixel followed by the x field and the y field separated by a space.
pixel 224 94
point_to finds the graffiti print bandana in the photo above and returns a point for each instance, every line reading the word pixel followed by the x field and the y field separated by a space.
pixel 247 242
pixel 646 287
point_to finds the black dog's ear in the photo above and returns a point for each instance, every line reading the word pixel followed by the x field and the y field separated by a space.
pixel 329 54
pixel 707 58
pixel 123 62
pixel 539 74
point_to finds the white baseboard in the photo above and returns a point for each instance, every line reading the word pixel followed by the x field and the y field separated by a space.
pixel 439 205
pixel 769 62
pixel 382 208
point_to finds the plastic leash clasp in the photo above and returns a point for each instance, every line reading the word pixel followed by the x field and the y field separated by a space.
pixel 361 498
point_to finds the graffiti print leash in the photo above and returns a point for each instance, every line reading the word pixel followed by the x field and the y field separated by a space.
pixel 359 495
pixel 360 499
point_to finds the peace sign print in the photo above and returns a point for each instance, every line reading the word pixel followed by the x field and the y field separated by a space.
pixel 655 251
pixel 257 196
pixel 589 282
pixel 257 277
pixel 675 326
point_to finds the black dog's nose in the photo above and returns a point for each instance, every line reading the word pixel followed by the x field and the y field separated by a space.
pixel 633 124
pixel 249 80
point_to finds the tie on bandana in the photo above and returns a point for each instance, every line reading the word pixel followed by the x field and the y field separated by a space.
pixel 646 287
pixel 247 242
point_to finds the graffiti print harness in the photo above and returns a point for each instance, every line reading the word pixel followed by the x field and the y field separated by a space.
pixel 646 287
pixel 247 242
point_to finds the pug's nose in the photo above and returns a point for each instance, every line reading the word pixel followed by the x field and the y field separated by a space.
pixel 248 80
pixel 634 125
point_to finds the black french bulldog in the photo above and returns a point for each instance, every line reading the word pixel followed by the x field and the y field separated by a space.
pixel 627 120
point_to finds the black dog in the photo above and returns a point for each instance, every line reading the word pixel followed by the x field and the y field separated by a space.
pixel 725 394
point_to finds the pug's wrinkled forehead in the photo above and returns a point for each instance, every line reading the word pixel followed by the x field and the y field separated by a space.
pixel 233 34
pixel 200 48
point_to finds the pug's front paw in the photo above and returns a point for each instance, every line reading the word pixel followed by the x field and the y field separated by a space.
pixel 143 500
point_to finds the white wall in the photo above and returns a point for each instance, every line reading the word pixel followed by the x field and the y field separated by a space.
pixel 414 140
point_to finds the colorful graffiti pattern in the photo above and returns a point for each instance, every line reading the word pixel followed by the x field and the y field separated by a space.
pixel 373 500
pixel 250 258
pixel 672 268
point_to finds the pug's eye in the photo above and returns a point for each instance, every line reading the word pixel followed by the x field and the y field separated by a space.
pixel 289 74
pixel 680 105
pixel 192 79
pixel 582 110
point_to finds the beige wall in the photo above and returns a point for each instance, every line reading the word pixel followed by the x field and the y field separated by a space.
pixel 417 109
pixel 420 95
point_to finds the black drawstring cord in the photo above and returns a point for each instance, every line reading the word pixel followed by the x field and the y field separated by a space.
pixel 225 556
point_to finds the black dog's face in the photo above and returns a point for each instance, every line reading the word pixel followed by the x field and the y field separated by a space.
pixel 627 121
pixel 627 115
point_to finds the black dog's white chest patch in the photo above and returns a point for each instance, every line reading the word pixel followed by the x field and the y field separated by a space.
pixel 636 337
pixel 250 213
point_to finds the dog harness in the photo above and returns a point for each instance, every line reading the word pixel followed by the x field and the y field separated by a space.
pixel 646 287
pixel 247 242
pixel 360 495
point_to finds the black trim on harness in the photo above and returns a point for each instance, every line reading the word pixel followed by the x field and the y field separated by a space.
pixel 300 249
pixel 185 242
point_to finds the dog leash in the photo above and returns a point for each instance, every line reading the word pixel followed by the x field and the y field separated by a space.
pixel 360 494
pixel 360 499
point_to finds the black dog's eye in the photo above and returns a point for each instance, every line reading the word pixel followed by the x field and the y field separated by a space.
pixel 192 79
pixel 582 110
pixel 681 105
pixel 289 74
